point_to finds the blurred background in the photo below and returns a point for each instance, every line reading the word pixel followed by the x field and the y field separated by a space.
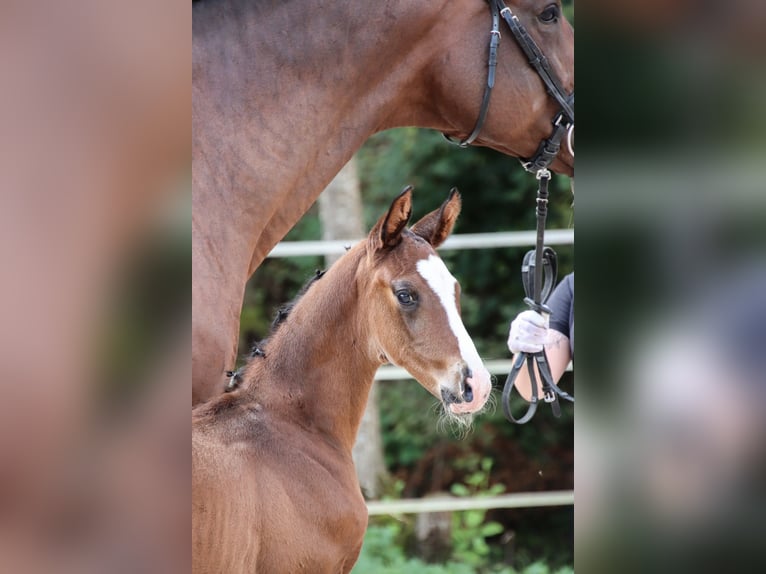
pixel 671 205
pixel 94 299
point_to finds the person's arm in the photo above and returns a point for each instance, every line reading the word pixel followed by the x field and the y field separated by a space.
pixel 559 356
pixel 531 331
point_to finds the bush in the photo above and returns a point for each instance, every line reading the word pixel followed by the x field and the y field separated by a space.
pixel 381 555
pixel 387 537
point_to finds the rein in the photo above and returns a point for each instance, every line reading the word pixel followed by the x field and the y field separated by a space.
pixel 538 272
pixel 563 121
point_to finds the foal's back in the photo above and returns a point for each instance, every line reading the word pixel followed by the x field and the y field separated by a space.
pixel 256 484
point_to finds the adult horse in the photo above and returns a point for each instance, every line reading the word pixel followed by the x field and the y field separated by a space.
pixel 284 92
pixel 274 488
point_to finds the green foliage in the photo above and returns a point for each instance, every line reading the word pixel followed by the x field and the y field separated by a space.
pixel 408 417
pixel 381 555
pixel 470 531
pixel 388 535
pixel 527 457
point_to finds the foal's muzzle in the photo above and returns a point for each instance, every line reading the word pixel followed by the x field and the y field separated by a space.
pixel 465 390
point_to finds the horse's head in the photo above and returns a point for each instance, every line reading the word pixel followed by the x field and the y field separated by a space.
pixel 521 110
pixel 415 315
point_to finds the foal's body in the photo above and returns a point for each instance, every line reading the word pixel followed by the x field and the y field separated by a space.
pixel 274 485
pixel 277 449
pixel 284 93
pixel 293 505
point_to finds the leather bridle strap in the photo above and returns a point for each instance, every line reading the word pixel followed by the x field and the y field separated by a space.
pixel 549 147
pixel 538 61
pixel 494 42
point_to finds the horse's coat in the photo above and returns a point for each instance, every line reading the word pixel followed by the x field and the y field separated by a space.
pixel 274 488
pixel 285 92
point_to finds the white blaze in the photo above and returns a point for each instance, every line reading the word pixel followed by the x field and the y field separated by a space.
pixel 438 277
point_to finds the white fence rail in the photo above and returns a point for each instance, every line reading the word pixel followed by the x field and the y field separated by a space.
pixel 460 241
pixel 452 504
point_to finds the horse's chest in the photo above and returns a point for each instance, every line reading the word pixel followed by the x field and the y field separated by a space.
pixel 312 514
pixel 277 505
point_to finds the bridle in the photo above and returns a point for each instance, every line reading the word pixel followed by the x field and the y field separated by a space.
pixel 563 121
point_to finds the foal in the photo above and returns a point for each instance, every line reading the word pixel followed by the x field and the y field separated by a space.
pixel 274 488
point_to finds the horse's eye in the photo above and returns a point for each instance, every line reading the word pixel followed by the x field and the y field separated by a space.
pixel 405 297
pixel 550 14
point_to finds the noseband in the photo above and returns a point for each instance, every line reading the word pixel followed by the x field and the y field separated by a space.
pixel 563 121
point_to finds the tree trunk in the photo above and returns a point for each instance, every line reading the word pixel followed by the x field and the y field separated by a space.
pixel 340 211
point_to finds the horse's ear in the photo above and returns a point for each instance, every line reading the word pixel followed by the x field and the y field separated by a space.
pixel 437 225
pixel 387 232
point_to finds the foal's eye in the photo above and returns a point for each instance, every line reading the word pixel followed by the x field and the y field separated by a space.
pixel 550 14
pixel 405 297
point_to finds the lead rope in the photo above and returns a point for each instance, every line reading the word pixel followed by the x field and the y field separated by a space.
pixel 538 272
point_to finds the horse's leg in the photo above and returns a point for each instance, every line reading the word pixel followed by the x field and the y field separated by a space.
pixel 217 292
pixel 214 349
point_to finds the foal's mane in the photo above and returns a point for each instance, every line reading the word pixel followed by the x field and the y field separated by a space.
pixel 258 350
pixel 283 313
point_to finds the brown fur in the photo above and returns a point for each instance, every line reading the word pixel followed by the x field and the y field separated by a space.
pixel 274 488
pixel 284 93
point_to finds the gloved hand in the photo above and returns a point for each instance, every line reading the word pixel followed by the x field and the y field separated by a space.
pixel 528 332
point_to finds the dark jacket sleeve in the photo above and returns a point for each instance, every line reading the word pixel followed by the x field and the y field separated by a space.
pixel 561 303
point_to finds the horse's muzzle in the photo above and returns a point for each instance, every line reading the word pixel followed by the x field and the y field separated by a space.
pixel 471 394
pixel 450 398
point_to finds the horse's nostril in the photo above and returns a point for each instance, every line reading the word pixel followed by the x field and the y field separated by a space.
pixel 449 397
pixel 467 373
pixel 468 393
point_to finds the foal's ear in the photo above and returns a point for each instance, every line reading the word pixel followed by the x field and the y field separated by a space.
pixel 437 225
pixel 387 232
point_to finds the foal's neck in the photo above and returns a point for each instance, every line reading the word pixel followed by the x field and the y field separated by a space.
pixel 319 365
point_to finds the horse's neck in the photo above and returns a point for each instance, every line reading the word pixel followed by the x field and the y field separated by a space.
pixel 286 93
pixel 319 365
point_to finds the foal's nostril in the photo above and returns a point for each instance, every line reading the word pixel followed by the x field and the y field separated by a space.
pixel 468 393
pixel 467 389
pixel 449 397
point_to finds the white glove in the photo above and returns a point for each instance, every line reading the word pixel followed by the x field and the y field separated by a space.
pixel 528 333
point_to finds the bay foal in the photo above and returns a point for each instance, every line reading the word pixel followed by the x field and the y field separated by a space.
pixel 274 488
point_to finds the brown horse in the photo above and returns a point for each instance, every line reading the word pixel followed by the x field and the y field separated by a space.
pixel 274 488
pixel 283 94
